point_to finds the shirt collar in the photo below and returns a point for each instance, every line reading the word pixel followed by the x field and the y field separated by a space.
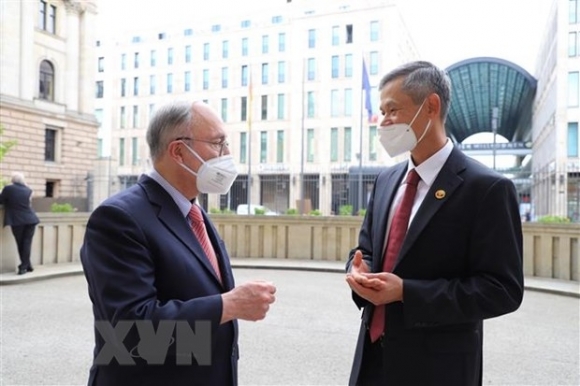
pixel 182 202
pixel 430 168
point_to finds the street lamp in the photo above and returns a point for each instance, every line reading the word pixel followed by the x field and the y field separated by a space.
pixel 494 114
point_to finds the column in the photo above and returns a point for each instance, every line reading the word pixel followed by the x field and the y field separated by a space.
pixel 28 74
pixel 71 90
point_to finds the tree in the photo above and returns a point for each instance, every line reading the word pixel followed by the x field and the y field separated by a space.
pixel 5 146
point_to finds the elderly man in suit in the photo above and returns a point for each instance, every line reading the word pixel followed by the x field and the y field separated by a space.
pixel 439 250
pixel 152 256
pixel 16 199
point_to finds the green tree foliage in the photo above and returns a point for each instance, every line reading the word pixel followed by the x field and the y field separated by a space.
pixel 5 146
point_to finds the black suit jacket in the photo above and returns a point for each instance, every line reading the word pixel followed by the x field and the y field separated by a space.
pixel 142 262
pixel 17 209
pixel 461 263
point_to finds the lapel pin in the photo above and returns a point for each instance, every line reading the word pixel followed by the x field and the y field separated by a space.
pixel 440 194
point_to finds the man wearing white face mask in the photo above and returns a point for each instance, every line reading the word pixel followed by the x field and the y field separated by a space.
pixel 439 250
pixel 151 256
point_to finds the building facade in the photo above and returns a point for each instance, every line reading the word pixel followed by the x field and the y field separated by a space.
pixel 46 96
pixel 288 84
pixel 556 158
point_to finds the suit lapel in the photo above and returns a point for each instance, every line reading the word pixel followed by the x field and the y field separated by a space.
pixel 171 217
pixel 447 181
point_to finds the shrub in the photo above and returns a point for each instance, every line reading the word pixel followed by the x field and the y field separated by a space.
pixel 345 210
pixel 61 208
pixel 362 212
pixel 227 211
pixel 553 219
pixel 315 212
pixel 214 210
pixel 259 211
pixel 291 211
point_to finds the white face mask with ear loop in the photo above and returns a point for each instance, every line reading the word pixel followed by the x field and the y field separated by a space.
pixel 215 175
pixel 400 137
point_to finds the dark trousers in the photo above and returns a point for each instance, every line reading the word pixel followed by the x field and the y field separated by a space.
pixel 23 235
pixel 372 371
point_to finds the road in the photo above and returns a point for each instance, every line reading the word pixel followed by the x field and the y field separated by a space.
pixel 308 338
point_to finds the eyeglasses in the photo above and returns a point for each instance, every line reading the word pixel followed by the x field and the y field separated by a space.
pixel 215 145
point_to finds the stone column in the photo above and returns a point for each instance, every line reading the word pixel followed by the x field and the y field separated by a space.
pixel 87 61
pixel 29 68
pixel 71 99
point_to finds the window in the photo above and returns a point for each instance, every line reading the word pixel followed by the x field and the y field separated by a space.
pixel 246 24
pixel 281 105
pixel 47 17
pixel 281 72
pixel 311 69
pixel 170 56
pixel 50 188
pixel 216 28
pixel 100 147
pixel 136 60
pixel 135 86
pixel 573 11
pixel 187 79
pixel 374 31
pixel 281 42
pixel 573 44
pixel 205 79
pixel 347 144
pixel 264 107
pixel 265 71
pixel 335 36
pixel 136 39
pixel 311 38
pixel 374 65
pixel 121 151
pixel 169 83
pixel 348 102
pixel 101 64
pixel 280 146
pixel 263 147
pixel 310 145
pixel 205 51
pixel 310 99
pixel 244 109
pixel 276 19
pixel 123 87
pixel 243 148
pixel 153 59
pixel 187 54
pixel 373 143
pixel 265 44
pixel 123 61
pixel 348 65
pixel 99 91
pixel 161 36
pixel 50 144
pixel 333 144
pixel 187 32
pixel 46 82
pixel 224 77
pixel 334 62
pixel 573 89
pixel 334 103
pixel 151 109
pixel 348 33
pixel 122 117
pixel 244 75
pixel 135 116
pixel 573 142
pixel 225 49
pixel 134 151
pixel 245 47
pixel 224 109
pixel 152 84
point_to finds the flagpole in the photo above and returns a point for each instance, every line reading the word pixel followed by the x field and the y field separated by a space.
pixel 249 155
pixel 360 151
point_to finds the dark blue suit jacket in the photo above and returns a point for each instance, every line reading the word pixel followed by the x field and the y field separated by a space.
pixel 16 201
pixel 461 263
pixel 142 262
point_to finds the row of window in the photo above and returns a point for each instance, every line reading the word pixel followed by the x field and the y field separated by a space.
pixel 47 17
pixel 574 11
pixel 225 47
pixel 265 75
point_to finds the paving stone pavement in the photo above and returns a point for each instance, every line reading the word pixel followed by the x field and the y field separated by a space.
pixel 308 337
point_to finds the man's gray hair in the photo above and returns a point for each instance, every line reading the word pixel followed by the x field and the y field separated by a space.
pixel 18 178
pixel 422 79
pixel 169 122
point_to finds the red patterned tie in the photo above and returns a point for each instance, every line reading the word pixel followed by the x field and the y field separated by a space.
pixel 200 232
pixel 397 234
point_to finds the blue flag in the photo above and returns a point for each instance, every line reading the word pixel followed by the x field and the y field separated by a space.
pixel 366 86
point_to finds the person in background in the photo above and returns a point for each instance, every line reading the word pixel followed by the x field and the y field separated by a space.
pixel 439 250
pixel 151 254
pixel 20 216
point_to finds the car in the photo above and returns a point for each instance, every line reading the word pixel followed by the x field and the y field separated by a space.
pixel 251 209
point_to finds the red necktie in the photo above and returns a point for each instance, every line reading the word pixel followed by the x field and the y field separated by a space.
pixel 397 234
pixel 200 232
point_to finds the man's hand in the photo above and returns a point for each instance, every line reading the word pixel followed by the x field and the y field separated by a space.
pixel 249 301
pixel 377 288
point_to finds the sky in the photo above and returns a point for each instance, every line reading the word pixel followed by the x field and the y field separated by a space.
pixel 444 31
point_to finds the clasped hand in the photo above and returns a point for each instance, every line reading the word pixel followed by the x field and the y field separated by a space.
pixel 377 288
